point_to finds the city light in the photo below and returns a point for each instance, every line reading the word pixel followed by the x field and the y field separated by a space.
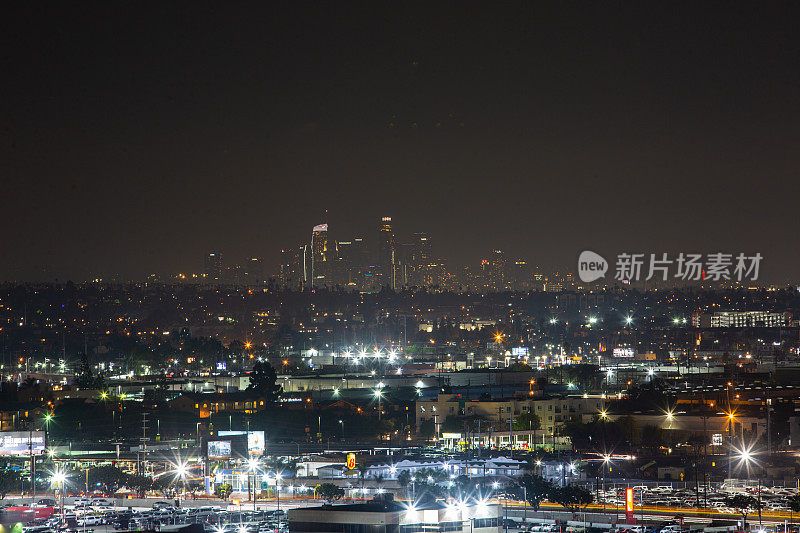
pixel 58 478
pixel 628 320
pixel 180 470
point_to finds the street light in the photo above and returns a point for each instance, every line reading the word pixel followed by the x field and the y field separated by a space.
pixel 180 471
pixel 57 480
pixel 278 476
pixel 606 460
pixel 379 395
pixel 252 465
pixel 745 456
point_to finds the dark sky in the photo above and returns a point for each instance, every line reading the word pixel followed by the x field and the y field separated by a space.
pixel 134 138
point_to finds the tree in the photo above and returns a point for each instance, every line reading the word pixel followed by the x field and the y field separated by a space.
pixel 139 483
pixel 9 481
pixel 571 497
pixel 744 504
pixel 536 489
pixel 84 377
pixel 427 428
pixel 263 382
pixel 108 477
pixel 404 478
pixel 794 504
pixel 223 491
pixel 527 421
pixel 329 492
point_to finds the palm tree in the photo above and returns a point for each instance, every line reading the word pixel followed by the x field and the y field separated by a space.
pixel 363 469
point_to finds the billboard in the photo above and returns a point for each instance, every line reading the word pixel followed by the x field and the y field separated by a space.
pixel 22 442
pixel 623 352
pixel 521 351
pixel 255 440
pixel 219 449
pixel 351 461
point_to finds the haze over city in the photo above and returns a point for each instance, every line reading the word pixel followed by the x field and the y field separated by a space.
pixel 137 139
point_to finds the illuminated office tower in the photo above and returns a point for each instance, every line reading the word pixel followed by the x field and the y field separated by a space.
pixel 421 263
pixel 497 271
pixel 386 261
pixel 321 257
pixel 292 272
pixel 213 267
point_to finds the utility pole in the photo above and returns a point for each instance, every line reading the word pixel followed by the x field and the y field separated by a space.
pixel 511 436
pixel 769 432
pixel 480 443
pixel 143 459
pixel 33 462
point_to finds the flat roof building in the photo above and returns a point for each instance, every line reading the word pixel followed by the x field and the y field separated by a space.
pixel 384 515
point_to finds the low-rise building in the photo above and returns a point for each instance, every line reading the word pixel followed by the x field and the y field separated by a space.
pixel 384 515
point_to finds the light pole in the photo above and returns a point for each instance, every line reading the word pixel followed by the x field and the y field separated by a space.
pixel 252 463
pixel 342 424
pixel 730 442
pixel 278 495
pixel 379 395
pixel 606 460
pixel 57 480
pixel 180 472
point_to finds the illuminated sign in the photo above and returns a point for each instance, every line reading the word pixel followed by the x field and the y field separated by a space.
pixel 255 440
pixel 623 352
pixel 351 461
pixel 22 443
pixel 219 449
pixel 629 500
pixel 520 352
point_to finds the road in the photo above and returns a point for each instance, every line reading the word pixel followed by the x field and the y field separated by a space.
pixel 650 514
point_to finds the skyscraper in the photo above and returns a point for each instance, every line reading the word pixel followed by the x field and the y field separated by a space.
pixel 254 271
pixel 321 257
pixel 386 261
pixel 213 267
pixel 420 261
pixel 292 273
pixel 497 271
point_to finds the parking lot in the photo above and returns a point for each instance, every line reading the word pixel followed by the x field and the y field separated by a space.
pixel 163 515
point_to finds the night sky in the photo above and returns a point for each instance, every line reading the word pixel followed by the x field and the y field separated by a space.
pixel 135 138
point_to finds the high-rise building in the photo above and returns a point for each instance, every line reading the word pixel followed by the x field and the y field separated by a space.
pixel 520 277
pixel 351 262
pixel 292 272
pixel 213 267
pixel 321 257
pixel 421 262
pixel 254 271
pixel 386 260
pixel 497 271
